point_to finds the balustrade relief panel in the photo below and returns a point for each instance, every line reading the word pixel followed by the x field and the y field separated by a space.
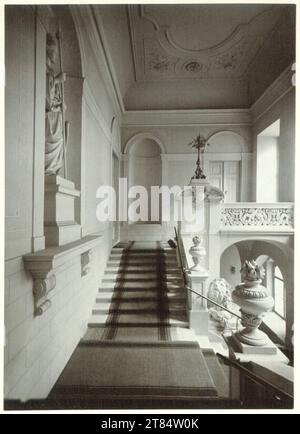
pixel 263 217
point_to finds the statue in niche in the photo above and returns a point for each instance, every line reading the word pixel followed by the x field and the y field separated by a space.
pixel 56 128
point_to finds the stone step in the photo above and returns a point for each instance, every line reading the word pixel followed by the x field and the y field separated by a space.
pixel 142 251
pixel 140 335
pixel 135 320
pixel 144 259
pixel 141 265
pixel 112 269
pixel 139 296
pixel 140 305
pixel 123 309
pixel 150 277
pixel 142 285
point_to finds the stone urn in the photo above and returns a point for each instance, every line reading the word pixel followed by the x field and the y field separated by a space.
pixel 198 253
pixel 255 301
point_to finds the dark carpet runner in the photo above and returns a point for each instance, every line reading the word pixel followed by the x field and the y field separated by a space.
pixel 128 292
pixel 138 344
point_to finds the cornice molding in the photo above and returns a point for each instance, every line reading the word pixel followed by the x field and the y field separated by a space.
pixel 230 156
pixel 177 118
pixel 224 117
pixel 273 94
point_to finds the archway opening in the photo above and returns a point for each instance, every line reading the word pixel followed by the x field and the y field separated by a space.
pixel 145 170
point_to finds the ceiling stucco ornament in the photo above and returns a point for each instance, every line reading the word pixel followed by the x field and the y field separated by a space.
pixel 167 32
pixel 160 63
pixel 157 61
pixel 193 67
pixel 182 48
pixel 198 60
pixel 231 60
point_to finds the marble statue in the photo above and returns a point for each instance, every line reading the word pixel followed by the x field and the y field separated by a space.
pixel 54 146
pixel 220 292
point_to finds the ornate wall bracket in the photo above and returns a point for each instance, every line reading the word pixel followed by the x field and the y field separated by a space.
pixel 42 285
pixel 42 266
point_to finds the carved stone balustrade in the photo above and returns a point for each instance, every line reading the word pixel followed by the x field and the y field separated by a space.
pixel 42 266
pixel 277 217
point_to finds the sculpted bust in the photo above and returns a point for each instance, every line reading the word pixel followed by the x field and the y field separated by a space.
pixel 54 140
pixel 214 193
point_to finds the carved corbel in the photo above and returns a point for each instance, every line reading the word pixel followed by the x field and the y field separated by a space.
pixel 43 264
pixel 42 285
pixel 86 259
pixel 44 281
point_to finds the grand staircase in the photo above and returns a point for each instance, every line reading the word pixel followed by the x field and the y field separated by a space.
pixel 142 295
pixel 138 351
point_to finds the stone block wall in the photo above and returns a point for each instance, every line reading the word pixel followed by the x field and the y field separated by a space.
pixel 38 348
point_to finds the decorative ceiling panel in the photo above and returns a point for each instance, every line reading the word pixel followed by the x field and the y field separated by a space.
pixel 198 41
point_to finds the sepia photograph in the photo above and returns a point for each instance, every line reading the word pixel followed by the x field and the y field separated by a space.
pixel 150 178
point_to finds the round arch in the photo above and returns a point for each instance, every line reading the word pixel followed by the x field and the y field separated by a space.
pixel 115 135
pixel 240 139
pixel 142 136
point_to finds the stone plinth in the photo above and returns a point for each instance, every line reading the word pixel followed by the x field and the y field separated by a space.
pixel 268 349
pixel 198 313
pixel 235 353
pixel 60 225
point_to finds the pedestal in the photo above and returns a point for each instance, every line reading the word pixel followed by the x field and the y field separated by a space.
pixel 198 313
pixel 238 351
pixel 268 349
pixel 59 211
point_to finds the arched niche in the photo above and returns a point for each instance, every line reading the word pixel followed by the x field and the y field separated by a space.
pixel 144 165
pixel 72 66
pixel 228 165
pixel 48 19
pixel 141 136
